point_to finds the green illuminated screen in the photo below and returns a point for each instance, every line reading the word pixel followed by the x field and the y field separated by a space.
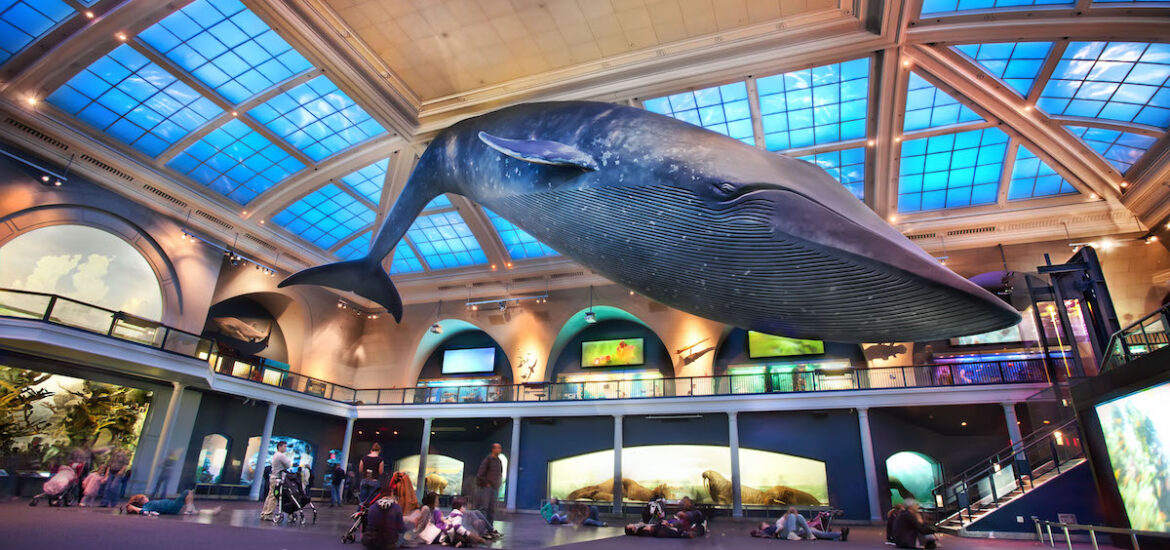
pixel 765 345
pixel 612 353
pixel 1137 436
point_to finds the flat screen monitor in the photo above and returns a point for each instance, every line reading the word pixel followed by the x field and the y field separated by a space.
pixel 1137 436
pixel 762 345
pixel 613 353
pixel 469 361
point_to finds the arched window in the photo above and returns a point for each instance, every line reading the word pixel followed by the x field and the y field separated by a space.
pixel 913 475
pixel 213 453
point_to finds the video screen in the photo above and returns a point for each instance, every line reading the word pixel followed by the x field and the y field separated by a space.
pixel 762 345
pixel 612 353
pixel 1010 335
pixel 1137 436
pixel 469 361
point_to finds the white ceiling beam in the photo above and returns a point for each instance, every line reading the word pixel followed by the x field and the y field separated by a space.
pixel 1149 184
pixel 888 93
pixel 1041 24
pixel 1117 125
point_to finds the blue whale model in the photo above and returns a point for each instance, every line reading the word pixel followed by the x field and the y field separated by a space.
pixel 688 217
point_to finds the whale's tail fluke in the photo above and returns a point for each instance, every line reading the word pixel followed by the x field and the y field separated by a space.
pixel 364 277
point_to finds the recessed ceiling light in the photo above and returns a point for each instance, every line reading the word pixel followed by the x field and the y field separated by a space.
pixel 89 15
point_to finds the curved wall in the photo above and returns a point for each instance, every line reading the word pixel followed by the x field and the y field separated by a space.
pixel 654 352
pixel 433 366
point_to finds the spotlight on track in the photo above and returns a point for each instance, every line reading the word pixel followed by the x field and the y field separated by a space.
pixel 436 329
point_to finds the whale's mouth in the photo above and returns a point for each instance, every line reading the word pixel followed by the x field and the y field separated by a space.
pixel 730 261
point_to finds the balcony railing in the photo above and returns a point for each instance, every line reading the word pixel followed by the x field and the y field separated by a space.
pixel 64 311
pixel 1143 336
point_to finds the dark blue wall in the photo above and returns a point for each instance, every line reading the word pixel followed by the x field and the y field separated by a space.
pixel 832 437
pixel 1073 492
pixel 708 429
pixel 655 353
pixel 734 351
pixel 473 445
pixel 545 440
pixel 433 367
pixel 407 442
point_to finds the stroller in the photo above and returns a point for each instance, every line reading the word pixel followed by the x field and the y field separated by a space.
pixel 821 521
pixel 292 500
pixel 60 489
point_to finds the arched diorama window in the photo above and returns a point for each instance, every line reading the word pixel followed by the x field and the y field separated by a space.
pixel 212 455
pixel 913 476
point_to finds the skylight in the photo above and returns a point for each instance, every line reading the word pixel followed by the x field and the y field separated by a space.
pixel 1033 178
pixel 945 6
pixel 929 107
pixel 815 106
pixel 519 243
pixel 438 202
pixel 135 101
pixel 1016 63
pixel 23 22
pixel 368 181
pixel 325 216
pixel 404 260
pixel 227 47
pixel 445 241
pixel 1124 81
pixel 236 161
pixel 1121 149
pixel 952 170
pixel 317 118
pixel 356 248
pixel 847 166
pixel 723 109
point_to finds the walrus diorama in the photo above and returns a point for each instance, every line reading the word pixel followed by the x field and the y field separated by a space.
pixel 719 488
pixel 631 490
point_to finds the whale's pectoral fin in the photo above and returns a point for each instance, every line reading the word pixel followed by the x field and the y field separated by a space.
pixel 363 277
pixel 552 153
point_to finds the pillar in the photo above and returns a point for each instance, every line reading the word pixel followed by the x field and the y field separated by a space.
pixel 1013 426
pixel 871 482
pixel 421 480
pixel 513 466
pixel 164 436
pixel 617 463
pixel 262 453
pixel 346 443
pixel 736 484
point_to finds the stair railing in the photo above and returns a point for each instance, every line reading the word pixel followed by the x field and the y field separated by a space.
pixel 1138 338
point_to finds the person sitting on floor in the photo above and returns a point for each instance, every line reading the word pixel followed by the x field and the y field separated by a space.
pixel 891 517
pixel 462 530
pixel 587 515
pixel 182 504
pixel 910 529
pixel 793 526
pixel 551 512
pixel 384 524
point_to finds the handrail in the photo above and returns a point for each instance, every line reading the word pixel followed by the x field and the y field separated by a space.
pixel 1093 530
pixel 1011 450
pixel 1119 350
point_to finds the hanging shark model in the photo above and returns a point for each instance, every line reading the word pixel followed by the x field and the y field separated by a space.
pixel 689 217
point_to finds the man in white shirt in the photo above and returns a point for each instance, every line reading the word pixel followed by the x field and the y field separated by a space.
pixel 280 462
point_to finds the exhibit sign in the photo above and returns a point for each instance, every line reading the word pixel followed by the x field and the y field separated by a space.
pixel 613 353
pixel 1137 436
pixel 762 345
pixel 469 361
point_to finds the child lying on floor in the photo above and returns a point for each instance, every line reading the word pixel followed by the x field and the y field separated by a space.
pixel 182 504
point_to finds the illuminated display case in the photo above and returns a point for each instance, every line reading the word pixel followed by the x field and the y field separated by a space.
pixel 611 385
pixel 463 390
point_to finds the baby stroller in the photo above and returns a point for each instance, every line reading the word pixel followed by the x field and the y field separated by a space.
pixel 821 521
pixel 292 499
pixel 61 488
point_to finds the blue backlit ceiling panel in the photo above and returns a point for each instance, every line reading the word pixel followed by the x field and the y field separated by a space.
pixel 929 107
pixel 1016 63
pixel 1123 81
pixel 519 243
pixel 847 166
pixel 438 202
pixel 936 7
pixel 317 118
pixel 815 106
pixel 444 240
pixel 357 248
pixel 236 161
pixel 951 171
pixel 23 22
pixel 325 216
pixel 1033 178
pixel 1121 149
pixel 227 47
pixel 404 261
pixel 723 109
pixel 137 102
pixel 368 181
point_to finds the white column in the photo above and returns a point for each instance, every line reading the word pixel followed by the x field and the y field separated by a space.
pixel 423 451
pixel 164 436
pixel 1013 426
pixel 736 484
pixel 617 463
pixel 513 466
pixel 346 443
pixel 871 483
pixel 262 453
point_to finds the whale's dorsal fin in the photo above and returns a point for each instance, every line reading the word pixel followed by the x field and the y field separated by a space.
pixel 538 151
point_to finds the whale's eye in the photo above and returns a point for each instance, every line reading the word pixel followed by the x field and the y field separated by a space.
pixel 727 188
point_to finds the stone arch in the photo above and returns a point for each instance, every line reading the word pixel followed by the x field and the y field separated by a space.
pixel 912 474
pixel 576 323
pixel 290 315
pixel 429 341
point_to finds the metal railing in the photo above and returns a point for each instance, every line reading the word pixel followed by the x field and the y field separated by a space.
pixel 1093 530
pixel 1009 472
pixel 1143 336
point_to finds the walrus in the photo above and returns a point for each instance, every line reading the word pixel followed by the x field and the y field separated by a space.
pixel 436 483
pixel 719 488
pixel 632 490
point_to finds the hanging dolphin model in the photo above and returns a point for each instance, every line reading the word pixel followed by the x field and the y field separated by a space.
pixel 689 217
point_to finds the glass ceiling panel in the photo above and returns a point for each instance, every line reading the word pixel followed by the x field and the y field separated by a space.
pixel 519 243
pixel 368 181
pixel 137 102
pixel 317 118
pixel 440 201
pixel 1016 63
pixel 1121 149
pixel 815 106
pixel 325 216
pixel 929 107
pixel 445 241
pixel 1033 178
pixel 23 22
pixel 227 47
pixel 945 6
pixel 722 109
pixel 357 248
pixel 236 161
pixel 847 166
pixel 1124 81
pixel 952 170
pixel 404 260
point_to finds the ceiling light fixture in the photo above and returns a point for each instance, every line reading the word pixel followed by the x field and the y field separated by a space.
pixel 120 36
pixel 590 317
pixel 89 14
